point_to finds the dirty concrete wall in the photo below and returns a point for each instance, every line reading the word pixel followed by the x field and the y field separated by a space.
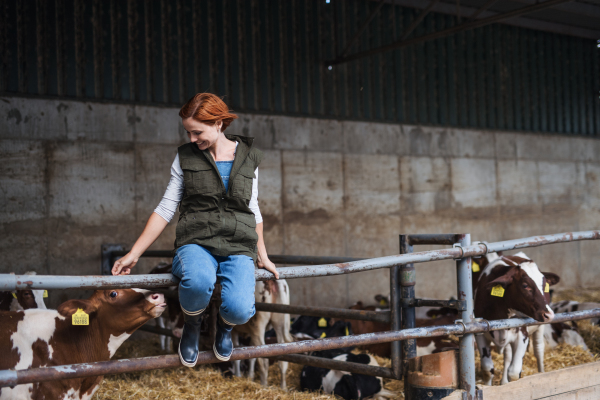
pixel 75 175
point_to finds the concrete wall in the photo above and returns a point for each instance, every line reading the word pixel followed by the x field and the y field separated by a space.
pixel 75 175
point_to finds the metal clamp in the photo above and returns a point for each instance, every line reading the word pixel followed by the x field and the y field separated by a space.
pixel 489 327
pixel 460 321
pixel 462 251
pixel 487 250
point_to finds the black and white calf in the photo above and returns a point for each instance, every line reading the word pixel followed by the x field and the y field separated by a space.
pixel 557 333
pixel 345 384
pixel 570 306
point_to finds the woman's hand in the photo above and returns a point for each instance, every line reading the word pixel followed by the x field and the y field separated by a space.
pixel 123 265
pixel 269 266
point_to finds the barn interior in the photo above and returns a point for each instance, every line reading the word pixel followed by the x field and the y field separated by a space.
pixel 377 118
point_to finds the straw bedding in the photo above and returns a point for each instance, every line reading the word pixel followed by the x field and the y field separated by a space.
pixel 206 382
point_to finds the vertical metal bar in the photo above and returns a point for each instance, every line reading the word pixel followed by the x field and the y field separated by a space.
pixel 42 58
pixel 225 65
pixel 319 108
pixel 582 98
pixel 442 59
pixel 490 49
pixel 79 49
pixel 148 32
pixel 516 79
pixel 294 59
pixel 115 53
pixel 451 79
pixel 253 51
pixel 535 73
pixel 421 77
pixel 21 55
pixel 264 51
pixel 4 46
pixel 60 47
pixel 182 50
pixel 240 67
pixel 480 72
pixel 524 58
pixel 559 100
pixel 132 45
pixel 282 37
pixel 498 71
pixel 432 107
pixel 567 83
pixel 407 286
pixel 334 49
pixel 165 50
pixel 396 317
pixel 399 66
pixel 97 33
pixel 466 342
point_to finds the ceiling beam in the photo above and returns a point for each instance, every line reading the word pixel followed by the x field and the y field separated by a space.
pixel 523 22
pixel 447 32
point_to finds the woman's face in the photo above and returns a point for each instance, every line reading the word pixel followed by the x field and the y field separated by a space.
pixel 203 135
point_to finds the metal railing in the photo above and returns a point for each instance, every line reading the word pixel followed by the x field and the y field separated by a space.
pixel 402 280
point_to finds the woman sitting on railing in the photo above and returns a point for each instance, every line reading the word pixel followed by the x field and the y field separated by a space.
pixel 219 235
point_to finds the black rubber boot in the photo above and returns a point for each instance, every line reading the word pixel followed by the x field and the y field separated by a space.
pixel 188 345
pixel 223 346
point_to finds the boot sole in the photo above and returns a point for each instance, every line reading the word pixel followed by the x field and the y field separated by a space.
pixel 220 357
pixel 187 364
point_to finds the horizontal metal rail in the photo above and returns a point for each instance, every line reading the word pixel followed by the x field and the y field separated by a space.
pixel 276 258
pixel 456 304
pixel 12 378
pixel 158 330
pixel 19 282
pixel 342 313
pixel 338 365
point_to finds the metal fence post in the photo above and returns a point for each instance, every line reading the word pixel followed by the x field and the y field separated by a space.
pixel 396 319
pixel 467 341
pixel 407 284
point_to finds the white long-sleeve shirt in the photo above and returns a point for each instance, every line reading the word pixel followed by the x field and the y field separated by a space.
pixel 174 193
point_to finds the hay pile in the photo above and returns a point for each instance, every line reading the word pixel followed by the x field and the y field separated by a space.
pixel 581 295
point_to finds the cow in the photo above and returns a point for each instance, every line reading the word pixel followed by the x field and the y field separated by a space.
pixel 345 384
pixel 570 306
pixel 173 318
pixel 42 338
pixel 270 292
pixel 512 286
pixel 308 328
pixel 22 299
pixel 425 345
pixel 560 332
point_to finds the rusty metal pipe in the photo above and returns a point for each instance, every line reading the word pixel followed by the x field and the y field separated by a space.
pixel 12 378
pixel 338 365
pixel 21 282
pixel 328 312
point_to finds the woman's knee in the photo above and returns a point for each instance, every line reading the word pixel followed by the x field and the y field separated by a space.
pixel 237 312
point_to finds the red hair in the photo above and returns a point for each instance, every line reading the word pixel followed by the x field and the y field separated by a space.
pixel 208 109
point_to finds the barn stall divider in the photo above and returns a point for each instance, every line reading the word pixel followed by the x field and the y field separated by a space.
pixel 401 315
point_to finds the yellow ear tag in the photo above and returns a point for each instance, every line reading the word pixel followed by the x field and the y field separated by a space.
pixel 475 267
pixel 382 302
pixel 547 288
pixel 323 334
pixel 498 291
pixel 45 294
pixel 322 323
pixel 14 295
pixel 347 332
pixel 80 318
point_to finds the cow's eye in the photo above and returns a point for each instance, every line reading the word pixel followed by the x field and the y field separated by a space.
pixel 113 294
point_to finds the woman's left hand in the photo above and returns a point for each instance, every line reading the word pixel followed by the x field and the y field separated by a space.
pixel 269 266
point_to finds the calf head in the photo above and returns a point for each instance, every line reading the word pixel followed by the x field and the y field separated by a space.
pixel 118 310
pixel 524 288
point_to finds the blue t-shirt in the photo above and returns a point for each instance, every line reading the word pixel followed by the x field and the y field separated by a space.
pixel 224 168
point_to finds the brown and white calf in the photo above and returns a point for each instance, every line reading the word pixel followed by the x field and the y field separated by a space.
pixel 271 292
pixel 570 306
pixel 172 319
pixel 512 286
pixel 41 338
pixel 22 299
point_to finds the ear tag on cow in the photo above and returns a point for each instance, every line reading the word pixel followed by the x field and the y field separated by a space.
pixel 80 318
pixel 475 267
pixel 14 295
pixel 382 302
pixel 547 288
pixel 322 323
pixel 323 335
pixel 498 291
pixel 45 294
pixel 347 332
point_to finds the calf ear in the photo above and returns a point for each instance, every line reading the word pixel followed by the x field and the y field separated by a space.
pixel 503 280
pixel 551 278
pixel 70 307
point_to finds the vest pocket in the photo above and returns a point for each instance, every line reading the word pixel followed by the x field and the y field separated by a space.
pixel 193 226
pixel 245 230
pixel 199 178
pixel 242 183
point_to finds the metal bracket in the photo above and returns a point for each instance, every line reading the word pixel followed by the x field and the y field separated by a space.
pixel 487 250
pixel 462 251
pixel 106 251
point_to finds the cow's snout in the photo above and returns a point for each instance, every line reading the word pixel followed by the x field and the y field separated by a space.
pixel 158 300
pixel 548 316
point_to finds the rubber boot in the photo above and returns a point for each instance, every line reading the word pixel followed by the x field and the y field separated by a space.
pixel 223 346
pixel 188 345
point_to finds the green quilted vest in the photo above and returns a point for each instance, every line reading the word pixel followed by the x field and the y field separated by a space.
pixel 218 219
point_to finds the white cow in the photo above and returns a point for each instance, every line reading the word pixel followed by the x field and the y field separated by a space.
pixel 273 292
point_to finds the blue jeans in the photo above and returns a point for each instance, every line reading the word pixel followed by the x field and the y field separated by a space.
pixel 199 271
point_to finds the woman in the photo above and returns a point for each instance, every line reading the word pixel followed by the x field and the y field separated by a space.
pixel 219 235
